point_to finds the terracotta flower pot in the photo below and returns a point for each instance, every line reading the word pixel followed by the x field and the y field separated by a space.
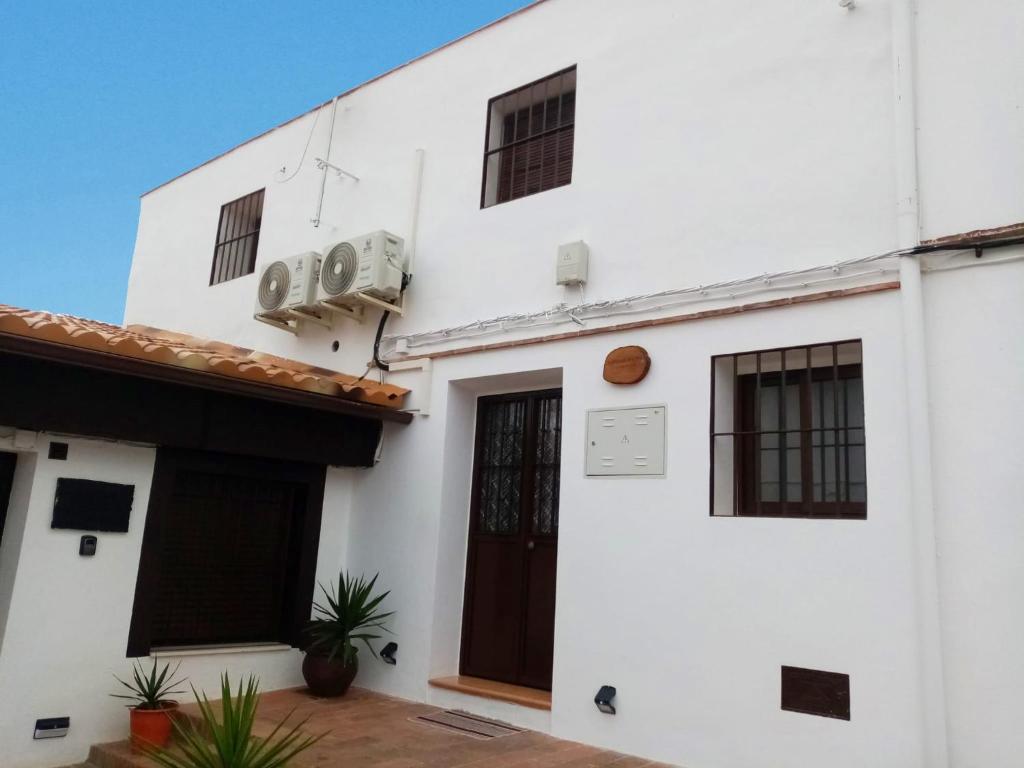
pixel 152 727
pixel 328 678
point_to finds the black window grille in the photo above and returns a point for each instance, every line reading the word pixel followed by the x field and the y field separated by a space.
pixel 238 236
pixel 529 141
pixel 787 433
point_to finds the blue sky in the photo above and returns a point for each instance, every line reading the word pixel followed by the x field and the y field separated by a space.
pixel 101 101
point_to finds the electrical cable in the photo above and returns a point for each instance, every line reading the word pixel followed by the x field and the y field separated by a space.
pixel 305 149
pixel 381 365
pixel 843 270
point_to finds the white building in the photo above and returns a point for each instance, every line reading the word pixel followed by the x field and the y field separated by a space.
pixel 746 177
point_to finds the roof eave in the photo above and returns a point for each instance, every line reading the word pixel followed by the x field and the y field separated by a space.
pixel 148 369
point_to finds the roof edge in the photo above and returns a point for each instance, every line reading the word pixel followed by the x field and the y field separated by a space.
pixel 150 369
pixel 348 92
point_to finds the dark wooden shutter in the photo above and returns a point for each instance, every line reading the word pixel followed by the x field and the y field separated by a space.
pixel 229 552
pixel 531 149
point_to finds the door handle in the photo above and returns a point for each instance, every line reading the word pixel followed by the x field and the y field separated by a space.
pixel 529 545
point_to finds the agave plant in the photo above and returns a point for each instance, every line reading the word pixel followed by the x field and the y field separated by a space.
pixel 150 690
pixel 229 741
pixel 350 615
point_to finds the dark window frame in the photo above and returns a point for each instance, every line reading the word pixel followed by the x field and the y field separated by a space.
pixel 303 546
pixel 528 527
pixel 746 436
pixel 518 145
pixel 8 466
pixel 234 251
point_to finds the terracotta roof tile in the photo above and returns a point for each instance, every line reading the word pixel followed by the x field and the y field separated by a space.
pixel 184 351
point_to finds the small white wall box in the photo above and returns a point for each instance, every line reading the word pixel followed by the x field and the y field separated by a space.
pixel 573 263
pixel 626 442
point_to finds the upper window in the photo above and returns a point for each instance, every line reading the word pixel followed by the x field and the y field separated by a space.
pixel 529 141
pixel 787 433
pixel 238 235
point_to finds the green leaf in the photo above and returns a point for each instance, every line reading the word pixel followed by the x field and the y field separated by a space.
pixel 151 689
pixel 230 742
pixel 348 613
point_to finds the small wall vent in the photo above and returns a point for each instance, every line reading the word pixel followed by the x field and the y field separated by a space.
pixel 813 692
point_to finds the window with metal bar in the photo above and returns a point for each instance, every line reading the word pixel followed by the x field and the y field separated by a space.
pixel 529 140
pixel 238 236
pixel 787 433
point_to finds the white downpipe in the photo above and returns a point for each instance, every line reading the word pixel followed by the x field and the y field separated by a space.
pixel 414 213
pixel 933 695
pixel 327 158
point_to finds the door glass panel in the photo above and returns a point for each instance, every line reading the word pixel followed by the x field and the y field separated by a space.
pixel 546 468
pixel 501 459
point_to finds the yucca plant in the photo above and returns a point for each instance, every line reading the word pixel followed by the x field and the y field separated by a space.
pixel 351 614
pixel 150 690
pixel 228 742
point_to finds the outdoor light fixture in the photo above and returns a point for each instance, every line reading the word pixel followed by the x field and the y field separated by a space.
pixel 388 653
pixel 604 699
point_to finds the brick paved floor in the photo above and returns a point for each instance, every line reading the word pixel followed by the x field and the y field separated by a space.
pixel 367 729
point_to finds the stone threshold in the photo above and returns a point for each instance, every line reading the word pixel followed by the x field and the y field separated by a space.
pixel 491 689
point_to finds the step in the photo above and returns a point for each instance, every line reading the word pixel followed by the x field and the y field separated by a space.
pixel 490 689
pixel 118 754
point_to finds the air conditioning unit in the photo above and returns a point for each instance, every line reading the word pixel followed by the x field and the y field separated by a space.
pixel 287 284
pixel 372 265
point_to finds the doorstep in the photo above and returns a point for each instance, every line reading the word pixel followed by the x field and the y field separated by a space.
pixel 491 689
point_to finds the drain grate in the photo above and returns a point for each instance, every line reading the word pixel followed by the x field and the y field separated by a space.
pixel 467 724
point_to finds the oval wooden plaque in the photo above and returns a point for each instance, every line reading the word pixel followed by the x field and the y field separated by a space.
pixel 626 365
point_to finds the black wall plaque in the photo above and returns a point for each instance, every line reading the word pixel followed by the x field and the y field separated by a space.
pixel 813 692
pixel 91 505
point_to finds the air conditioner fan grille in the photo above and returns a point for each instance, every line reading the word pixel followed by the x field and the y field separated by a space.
pixel 274 285
pixel 339 269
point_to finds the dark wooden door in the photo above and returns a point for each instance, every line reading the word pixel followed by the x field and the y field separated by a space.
pixel 509 618
pixel 7 463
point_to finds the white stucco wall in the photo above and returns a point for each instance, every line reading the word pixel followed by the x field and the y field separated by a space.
pixel 976 358
pixel 970 100
pixel 67 617
pixel 689 616
pixel 67 624
pixel 713 141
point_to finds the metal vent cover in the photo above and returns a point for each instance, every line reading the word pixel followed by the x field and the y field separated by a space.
pixel 463 723
pixel 339 269
pixel 274 285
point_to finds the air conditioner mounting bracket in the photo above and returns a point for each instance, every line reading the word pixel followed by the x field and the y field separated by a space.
pixel 290 327
pixel 310 317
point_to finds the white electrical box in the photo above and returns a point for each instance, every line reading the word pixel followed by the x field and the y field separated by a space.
pixel 626 441
pixel 573 263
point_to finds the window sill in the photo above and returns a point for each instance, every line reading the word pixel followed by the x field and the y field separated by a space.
pixel 214 650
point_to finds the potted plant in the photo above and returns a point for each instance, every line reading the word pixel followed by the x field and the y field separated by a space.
pixel 351 614
pixel 229 742
pixel 151 714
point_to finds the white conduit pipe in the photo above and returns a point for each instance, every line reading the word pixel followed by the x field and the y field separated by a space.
pixel 414 212
pixel 932 691
pixel 777 281
pixel 327 157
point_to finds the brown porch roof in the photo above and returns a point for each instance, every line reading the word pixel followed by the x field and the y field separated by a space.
pixel 167 348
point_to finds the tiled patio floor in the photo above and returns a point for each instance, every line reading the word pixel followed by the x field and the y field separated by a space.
pixel 367 730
